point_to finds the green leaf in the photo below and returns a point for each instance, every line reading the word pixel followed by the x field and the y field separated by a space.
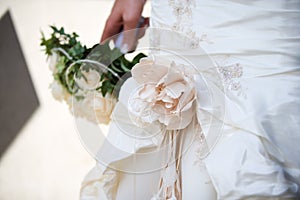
pixel 115 54
pixel 79 97
pixel 106 87
pixel 137 58
pixel 124 67
pixel 115 68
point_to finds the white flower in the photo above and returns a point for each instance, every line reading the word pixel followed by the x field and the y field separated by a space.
pixel 103 107
pixel 58 91
pixel 94 107
pixel 92 80
pixel 165 94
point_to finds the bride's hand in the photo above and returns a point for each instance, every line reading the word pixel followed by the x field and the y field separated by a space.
pixel 125 15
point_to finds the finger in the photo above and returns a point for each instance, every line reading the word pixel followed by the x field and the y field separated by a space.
pixel 130 28
pixel 143 28
pixel 112 27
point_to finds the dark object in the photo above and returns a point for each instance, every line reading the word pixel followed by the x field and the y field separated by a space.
pixel 18 99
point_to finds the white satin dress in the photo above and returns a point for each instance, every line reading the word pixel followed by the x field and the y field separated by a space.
pixel 255 48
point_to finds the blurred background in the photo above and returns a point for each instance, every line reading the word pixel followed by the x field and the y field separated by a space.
pixel 41 156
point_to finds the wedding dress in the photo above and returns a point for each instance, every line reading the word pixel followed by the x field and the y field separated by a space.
pixel 247 145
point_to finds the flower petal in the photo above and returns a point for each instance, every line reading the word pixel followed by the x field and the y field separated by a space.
pixel 148 92
pixel 188 96
pixel 148 72
pixel 176 122
pixel 165 98
pixel 171 77
pixel 175 89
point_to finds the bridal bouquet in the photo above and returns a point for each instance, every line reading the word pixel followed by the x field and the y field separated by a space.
pixel 85 78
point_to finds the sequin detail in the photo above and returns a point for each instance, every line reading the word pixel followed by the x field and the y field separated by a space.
pixel 231 75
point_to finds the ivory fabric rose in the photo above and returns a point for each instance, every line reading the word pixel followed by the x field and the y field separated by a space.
pixel 165 93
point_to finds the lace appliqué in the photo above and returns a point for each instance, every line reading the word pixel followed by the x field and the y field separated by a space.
pixel 183 25
pixel 182 10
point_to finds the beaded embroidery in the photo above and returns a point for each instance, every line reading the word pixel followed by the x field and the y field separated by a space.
pixel 230 72
pixel 230 75
pixel 202 147
pixel 182 10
